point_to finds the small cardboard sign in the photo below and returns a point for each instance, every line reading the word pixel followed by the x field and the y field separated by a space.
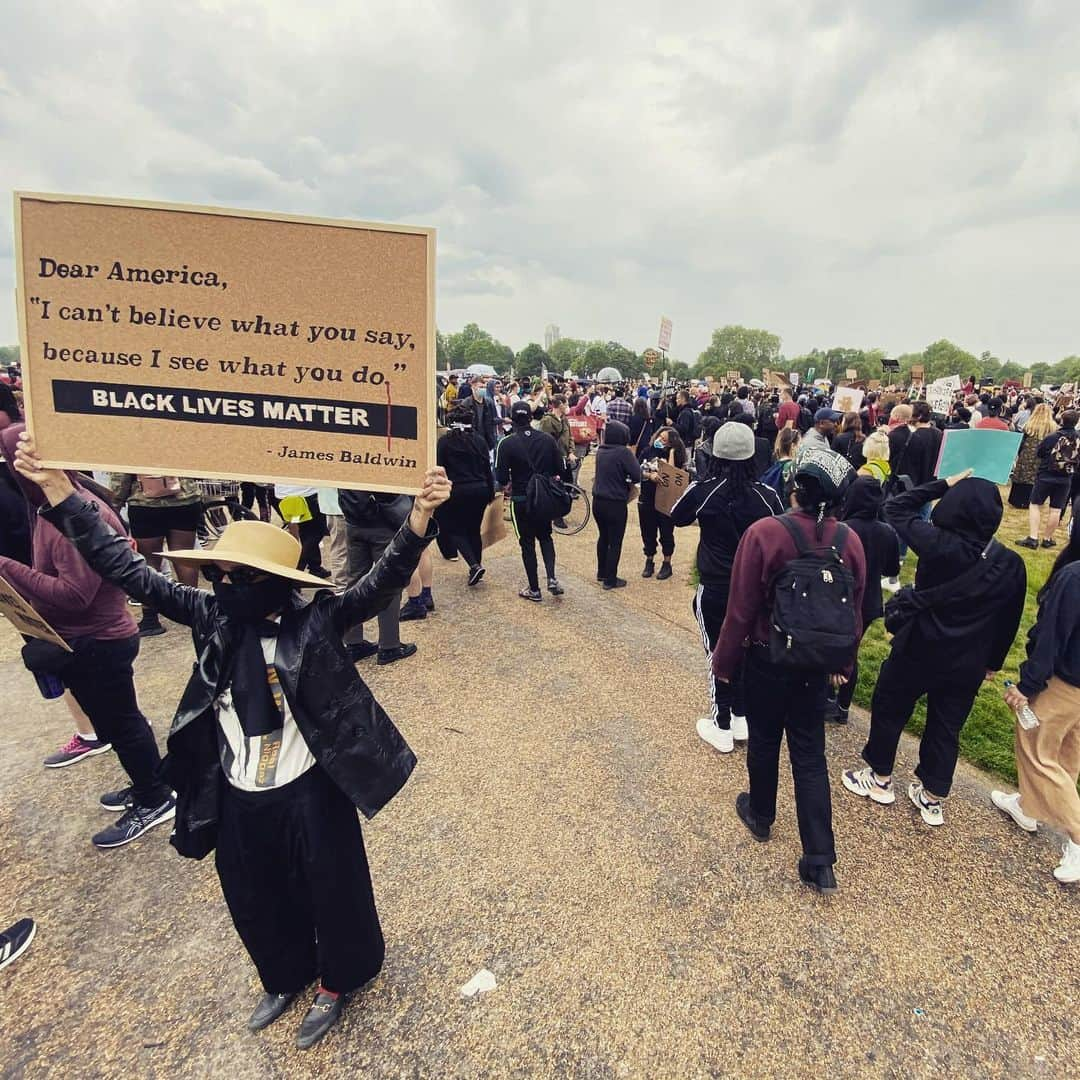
pixel 851 373
pixel 671 483
pixel 733 376
pixel 25 619
pixel 918 372
pixel 874 384
pixel 847 399
pixel 1027 380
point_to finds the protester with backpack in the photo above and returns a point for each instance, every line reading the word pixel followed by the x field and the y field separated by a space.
pixel 796 595
pixel 780 475
pixel 528 462
pixel 1058 458
pixel 724 505
pixel 617 471
pixel 952 630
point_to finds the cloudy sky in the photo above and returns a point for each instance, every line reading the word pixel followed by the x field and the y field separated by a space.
pixel 840 173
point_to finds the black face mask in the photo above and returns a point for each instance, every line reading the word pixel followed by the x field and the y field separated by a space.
pixel 249 603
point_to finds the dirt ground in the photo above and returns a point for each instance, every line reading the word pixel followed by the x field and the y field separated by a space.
pixel 567 830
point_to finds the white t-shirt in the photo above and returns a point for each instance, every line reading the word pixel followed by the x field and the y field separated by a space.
pixel 265 761
pixel 284 490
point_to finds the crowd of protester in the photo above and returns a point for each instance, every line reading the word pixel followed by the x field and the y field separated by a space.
pixel 804 517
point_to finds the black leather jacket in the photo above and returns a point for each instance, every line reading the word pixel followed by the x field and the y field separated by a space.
pixel 350 736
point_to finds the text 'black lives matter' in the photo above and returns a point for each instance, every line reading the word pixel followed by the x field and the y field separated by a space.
pixel 247 410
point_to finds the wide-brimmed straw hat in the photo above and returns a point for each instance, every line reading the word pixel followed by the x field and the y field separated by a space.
pixel 256 544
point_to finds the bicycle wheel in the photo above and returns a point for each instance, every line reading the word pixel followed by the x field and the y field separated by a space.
pixel 578 517
pixel 217 513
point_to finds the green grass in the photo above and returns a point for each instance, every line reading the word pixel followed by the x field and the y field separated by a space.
pixel 987 737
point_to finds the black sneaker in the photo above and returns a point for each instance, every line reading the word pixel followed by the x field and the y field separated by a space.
pixel 428 601
pixel 15 940
pixel 324 1013
pixel 665 572
pixel 1028 542
pixel 836 715
pixel 618 583
pixel 361 650
pixel 554 587
pixel 820 878
pixel 150 628
pixel 389 656
pixel 116 801
pixel 475 574
pixel 531 594
pixel 134 822
pixel 1049 543
pixel 412 610
pixel 746 816
pixel 650 568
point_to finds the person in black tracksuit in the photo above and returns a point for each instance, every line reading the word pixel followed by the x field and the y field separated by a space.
pixel 520 455
pixel 724 506
pixel 617 469
pixel 464 455
pixel 665 443
pixel 947 651
pixel 881 546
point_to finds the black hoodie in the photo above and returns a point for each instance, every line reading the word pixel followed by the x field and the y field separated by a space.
pixel 881 545
pixel 616 466
pixel 976 629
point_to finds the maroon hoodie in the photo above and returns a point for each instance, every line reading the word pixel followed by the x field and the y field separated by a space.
pixel 60 585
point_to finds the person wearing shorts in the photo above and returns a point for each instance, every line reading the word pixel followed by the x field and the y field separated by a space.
pixel 161 510
pixel 1053 481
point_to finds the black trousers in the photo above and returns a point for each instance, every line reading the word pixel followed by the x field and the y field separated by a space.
pixel 531 531
pixel 365 547
pixel 311 534
pixel 102 680
pixel 295 876
pixel 256 493
pixel 950 693
pixel 710 607
pixel 783 702
pixel 610 517
pixel 461 517
pixel 652 522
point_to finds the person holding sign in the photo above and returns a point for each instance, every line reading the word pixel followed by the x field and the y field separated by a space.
pixel 276 741
pixel 725 505
pixel 92 616
pixel 665 444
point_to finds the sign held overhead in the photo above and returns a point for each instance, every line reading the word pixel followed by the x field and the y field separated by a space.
pixel 210 342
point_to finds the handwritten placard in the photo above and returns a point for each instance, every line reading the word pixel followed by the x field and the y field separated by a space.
pixel 24 618
pixel 671 484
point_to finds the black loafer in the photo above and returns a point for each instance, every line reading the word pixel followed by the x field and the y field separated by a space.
pixel 820 878
pixel 746 816
pixel 270 1007
pixel 389 656
pixel 324 1013
pixel 361 650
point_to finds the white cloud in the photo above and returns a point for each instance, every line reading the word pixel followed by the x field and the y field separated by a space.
pixel 840 173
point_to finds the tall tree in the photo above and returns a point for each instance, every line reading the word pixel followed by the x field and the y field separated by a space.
pixel 739 348
pixel 529 363
pixel 567 353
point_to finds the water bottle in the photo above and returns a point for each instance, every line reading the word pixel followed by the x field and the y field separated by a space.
pixel 51 686
pixel 1024 715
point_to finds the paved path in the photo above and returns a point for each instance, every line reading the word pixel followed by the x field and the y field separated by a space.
pixel 567 830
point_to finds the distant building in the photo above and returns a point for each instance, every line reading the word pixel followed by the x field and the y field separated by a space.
pixel 551 335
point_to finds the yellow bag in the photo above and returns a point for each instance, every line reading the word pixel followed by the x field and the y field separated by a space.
pixel 294 509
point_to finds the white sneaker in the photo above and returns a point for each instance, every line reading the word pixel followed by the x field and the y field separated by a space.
pixel 863 782
pixel 714 736
pixel 1010 804
pixel 930 810
pixel 890 584
pixel 739 731
pixel 1069 869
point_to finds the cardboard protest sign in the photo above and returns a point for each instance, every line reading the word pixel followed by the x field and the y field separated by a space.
pixel 197 341
pixel 990 454
pixel 939 396
pixel 493 527
pixel 918 372
pixel 1027 380
pixel 25 619
pixel 874 384
pixel 847 399
pixel 671 483
pixel 734 376
pixel 663 339
pixel 851 372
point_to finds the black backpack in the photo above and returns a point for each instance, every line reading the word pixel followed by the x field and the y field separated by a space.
pixel 546 499
pixel 813 606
